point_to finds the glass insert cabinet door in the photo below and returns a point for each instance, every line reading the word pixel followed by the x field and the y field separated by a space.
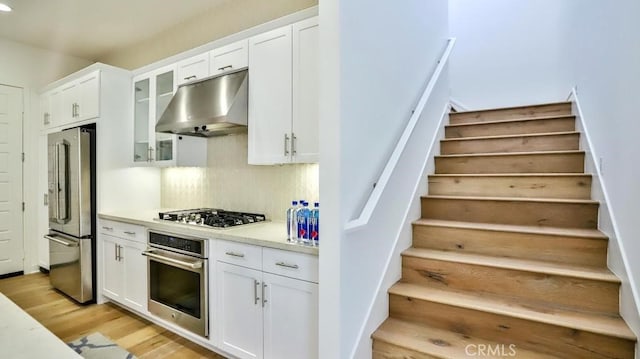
pixel 164 91
pixel 152 94
pixel 141 121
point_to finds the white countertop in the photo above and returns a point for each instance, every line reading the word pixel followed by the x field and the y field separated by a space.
pixel 21 336
pixel 271 234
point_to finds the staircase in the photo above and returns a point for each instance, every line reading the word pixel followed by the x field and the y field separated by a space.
pixel 507 260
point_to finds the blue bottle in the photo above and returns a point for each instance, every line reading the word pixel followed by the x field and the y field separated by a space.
pixel 291 220
pixel 303 223
pixel 314 224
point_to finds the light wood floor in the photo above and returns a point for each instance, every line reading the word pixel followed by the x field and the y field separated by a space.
pixel 69 321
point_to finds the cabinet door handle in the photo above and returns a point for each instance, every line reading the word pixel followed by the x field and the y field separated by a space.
pixel 77 110
pixel 293 143
pixel 286 144
pixel 130 233
pixel 150 158
pixel 264 298
pixel 190 77
pixel 47 118
pixel 255 292
pixel 115 247
pixel 107 228
pixel 120 258
pixel 283 264
pixel 225 67
pixel 234 254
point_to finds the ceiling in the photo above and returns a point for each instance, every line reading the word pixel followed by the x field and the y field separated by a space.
pixel 91 28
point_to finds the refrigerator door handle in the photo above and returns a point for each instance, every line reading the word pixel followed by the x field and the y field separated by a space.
pixel 63 242
pixel 62 181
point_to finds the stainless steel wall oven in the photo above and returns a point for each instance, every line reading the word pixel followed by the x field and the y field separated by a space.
pixel 178 292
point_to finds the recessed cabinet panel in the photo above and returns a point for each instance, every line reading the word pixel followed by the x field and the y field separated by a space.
pixel 304 147
pixel 239 314
pixel 290 318
pixel 194 68
pixel 227 58
pixel 88 97
pixel 270 97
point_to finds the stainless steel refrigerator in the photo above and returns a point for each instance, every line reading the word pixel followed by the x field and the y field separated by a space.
pixel 71 172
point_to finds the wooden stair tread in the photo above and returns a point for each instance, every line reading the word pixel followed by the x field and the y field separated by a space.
pixel 438 342
pixel 523 119
pixel 546 134
pixel 513 107
pixel 552 231
pixel 559 269
pixel 507 154
pixel 599 324
pixel 524 174
pixel 514 199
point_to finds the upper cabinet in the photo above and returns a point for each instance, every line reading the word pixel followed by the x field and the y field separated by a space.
pixel 283 96
pixel 75 101
pixel 194 68
pixel 230 57
pixel 152 93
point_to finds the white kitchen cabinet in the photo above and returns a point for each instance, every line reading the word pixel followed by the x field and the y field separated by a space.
pixel 290 318
pixel 304 126
pixel 270 97
pixel 283 96
pixel 239 310
pixel 112 269
pixel 124 268
pixel 194 68
pixel 152 93
pixel 228 58
pixel 265 307
pixel 80 99
pixel 75 101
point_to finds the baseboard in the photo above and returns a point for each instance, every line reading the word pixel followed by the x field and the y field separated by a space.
pixel 618 261
pixel 43 270
pixel 9 275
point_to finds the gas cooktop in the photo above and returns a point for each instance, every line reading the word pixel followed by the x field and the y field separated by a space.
pixel 211 217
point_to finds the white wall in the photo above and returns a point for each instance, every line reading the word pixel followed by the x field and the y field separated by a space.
pixel 31 68
pixel 509 52
pixel 604 47
pixel 377 58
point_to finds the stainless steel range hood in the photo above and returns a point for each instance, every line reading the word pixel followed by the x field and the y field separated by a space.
pixel 214 106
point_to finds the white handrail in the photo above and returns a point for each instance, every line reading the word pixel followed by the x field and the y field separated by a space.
pixel 374 198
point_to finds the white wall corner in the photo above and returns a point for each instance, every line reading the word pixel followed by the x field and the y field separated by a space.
pixel 617 259
pixel 458 106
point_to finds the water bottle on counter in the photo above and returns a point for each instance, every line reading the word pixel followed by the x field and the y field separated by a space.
pixel 314 224
pixel 291 222
pixel 303 223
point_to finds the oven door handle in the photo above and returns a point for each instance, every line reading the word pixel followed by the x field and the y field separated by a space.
pixel 167 260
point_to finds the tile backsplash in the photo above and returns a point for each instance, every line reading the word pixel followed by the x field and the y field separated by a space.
pixel 229 182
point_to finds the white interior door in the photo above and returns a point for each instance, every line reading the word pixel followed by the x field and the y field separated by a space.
pixel 11 241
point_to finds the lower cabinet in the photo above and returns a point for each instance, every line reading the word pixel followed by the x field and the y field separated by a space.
pixel 124 271
pixel 266 315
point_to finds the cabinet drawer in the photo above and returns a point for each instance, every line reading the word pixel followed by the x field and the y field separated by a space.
pixel 123 230
pixel 246 255
pixel 290 264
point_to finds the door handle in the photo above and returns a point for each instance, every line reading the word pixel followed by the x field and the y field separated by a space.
pixel 283 264
pixel 293 143
pixel 264 298
pixel 194 265
pixel 130 233
pixel 234 254
pixel 59 241
pixel 225 67
pixel 255 292
pixel 286 144
pixel 61 179
pixel 190 77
